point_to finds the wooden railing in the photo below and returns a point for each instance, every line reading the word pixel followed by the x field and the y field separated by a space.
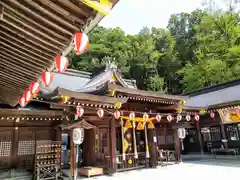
pixel 130 162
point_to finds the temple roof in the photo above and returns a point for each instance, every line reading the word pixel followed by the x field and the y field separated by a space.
pixel 223 94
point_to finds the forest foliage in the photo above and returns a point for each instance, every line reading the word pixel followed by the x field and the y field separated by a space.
pixel 196 50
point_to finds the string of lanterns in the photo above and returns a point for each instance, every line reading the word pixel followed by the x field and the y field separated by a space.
pixel 81 42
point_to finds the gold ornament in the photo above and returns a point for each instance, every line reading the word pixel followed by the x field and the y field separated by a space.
pixel 128 124
pixel 179 110
pixel 65 99
pixel 140 126
pixel 129 161
pixel 151 125
pixel 182 102
pixel 202 111
pixel 112 92
pixel 118 105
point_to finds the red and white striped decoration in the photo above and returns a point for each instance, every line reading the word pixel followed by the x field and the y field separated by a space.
pixel 132 116
pixel 212 114
pixel 117 114
pixel 100 113
pixel 145 116
pixel 27 95
pixel 158 117
pixel 34 87
pixel 61 63
pixel 80 43
pixel 47 78
pixel 79 111
pixel 169 117
pixel 196 117
pixel 179 117
pixel 22 102
pixel 188 117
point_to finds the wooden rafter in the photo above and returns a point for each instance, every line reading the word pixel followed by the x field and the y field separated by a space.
pixel 32 34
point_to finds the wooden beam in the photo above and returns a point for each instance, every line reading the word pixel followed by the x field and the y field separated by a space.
pixel 17 112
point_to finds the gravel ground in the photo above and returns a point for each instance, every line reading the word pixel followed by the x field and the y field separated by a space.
pixel 197 170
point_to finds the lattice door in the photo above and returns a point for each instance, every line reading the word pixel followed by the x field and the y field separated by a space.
pixel 6 136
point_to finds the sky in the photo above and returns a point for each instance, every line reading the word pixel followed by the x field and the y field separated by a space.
pixel 133 15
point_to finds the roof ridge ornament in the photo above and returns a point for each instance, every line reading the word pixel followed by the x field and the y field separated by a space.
pixel 110 66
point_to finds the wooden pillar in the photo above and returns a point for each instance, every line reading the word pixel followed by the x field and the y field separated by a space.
pixel 112 146
pixel 177 145
pixel 72 156
pixel 224 136
pixel 199 137
pixel 153 147
pixel 14 147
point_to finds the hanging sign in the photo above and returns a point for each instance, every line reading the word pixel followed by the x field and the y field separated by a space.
pixel 169 117
pixel 102 6
pixel 80 43
pixel 34 87
pixel 231 115
pixel 145 117
pixel 27 96
pixel 61 63
pixel 196 117
pixel 181 133
pixel 78 135
pixel 117 114
pixel 158 117
pixel 132 116
pixel 79 111
pixel 47 78
pixel 188 117
pixel 22 102
pixel 212 114
pixel 100 113
pixel 179 117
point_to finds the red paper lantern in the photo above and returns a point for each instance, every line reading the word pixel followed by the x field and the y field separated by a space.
pixel 117 114
pixel 158 117
pixel 79 111
pixel 34 87
pixel 196 117
pixel 47 78
pixel 61 63
pixel 212 114
pixel 27 96
pixel 169 117
pixel 188 117
pixel 80 43
pixel 179 117
pixel 100 113
pixel 22 102
pixel 132 116
pixel 145 116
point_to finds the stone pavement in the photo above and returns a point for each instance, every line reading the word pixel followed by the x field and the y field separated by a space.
pixel 218 169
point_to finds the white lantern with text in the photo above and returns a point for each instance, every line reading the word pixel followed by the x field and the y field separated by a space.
pixel 169 117
pixel 117 114
pixel 100 113
pixel 78 136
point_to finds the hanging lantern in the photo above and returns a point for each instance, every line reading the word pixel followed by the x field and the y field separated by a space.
pixel 169 117
pixel 212 114
pixel 47 78
pixel 132 116
pixel 117 114
pixel 188 117
pixel 158 117
pixel 79 111
pixel 128 124
pixel 80 43
pixel 27 95
pixel 22 102
pixel 34 87
pixel 61 63
pixel 140 126
pixel 196 117
pixel 151 125
pixel 179 117
pixel 100 113
pixel 145 117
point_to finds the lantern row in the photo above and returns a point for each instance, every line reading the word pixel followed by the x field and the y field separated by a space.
pixel 145 118
pixel 61 63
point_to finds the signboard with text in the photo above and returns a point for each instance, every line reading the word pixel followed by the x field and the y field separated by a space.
pixel 231 115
